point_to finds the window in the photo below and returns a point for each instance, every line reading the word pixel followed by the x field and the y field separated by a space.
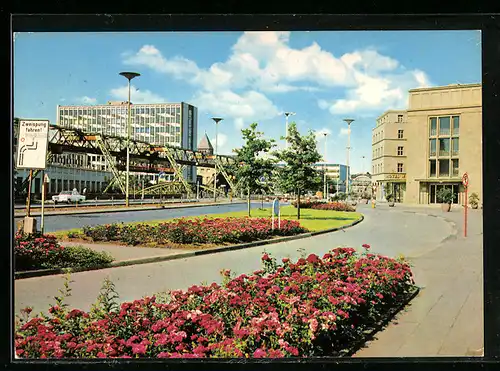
pixel 433 127
pixel 400 118
pixel 444 168
pixel 444 147
pixel 400 134
pixel 454 146
pixel 432 168
pixel 456 125
pixel 400 151
pixel 400 167
pixel 444 126
pixel 432 147
pixel 455 167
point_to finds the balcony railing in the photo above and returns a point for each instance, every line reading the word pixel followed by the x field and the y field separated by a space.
pixel 444 132
pixel 433 132
pixel 432 153
pixel 444 153
pixel 454 153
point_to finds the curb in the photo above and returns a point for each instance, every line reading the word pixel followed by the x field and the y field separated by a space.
pixel 189 254
pixel 101 211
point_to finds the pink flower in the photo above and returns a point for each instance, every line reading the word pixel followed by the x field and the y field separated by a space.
pixel 260 353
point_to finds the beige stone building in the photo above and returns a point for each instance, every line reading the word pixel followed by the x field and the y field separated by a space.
pixel 430 146
pixel 444 142
pixel 389 149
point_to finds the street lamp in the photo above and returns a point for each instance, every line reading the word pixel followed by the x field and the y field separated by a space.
pixel 286 127
pixel 129 76
pixel 349 121
pixel 216 120
pixel 325 189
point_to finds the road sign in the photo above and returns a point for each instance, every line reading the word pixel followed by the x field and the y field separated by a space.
pixel 465 179
pixel 32 144
pixel 276 206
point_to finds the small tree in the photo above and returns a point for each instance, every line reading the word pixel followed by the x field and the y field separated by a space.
pixel 253 162
pixel 298 173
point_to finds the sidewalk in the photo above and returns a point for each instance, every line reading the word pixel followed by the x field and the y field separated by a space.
pixel 446 318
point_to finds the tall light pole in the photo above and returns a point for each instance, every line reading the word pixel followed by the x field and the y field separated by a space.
pixel 216 120
pixel 286 126
pixel 325 187
pixel 349 121
pixel 129 76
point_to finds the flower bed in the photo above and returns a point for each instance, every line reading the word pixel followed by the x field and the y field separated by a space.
pixel 321 205
pixel 37 251
pixel 313 307
pixel 195 231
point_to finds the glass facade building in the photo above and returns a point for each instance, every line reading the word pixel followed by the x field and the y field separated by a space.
pixel 162 124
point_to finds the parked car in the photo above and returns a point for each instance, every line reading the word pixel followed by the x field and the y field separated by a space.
pixel 68 197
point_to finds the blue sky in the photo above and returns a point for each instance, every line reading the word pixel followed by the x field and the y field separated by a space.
pixel 248 77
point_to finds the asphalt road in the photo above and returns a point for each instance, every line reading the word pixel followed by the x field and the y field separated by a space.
pixel 389 231
pixel 55 223
pixel 50 204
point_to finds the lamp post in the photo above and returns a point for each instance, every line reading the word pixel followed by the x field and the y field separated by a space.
pixel 286 126
pixel 349 121
pixel 325 189
pixel 216 120
pixel 129 76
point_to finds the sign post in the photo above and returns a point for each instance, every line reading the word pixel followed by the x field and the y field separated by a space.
pixel 465 182
pixel 46 180
pixel 32 154
pixel 276 212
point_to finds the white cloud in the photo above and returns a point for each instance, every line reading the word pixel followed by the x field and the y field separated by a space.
pixel 136 95
pixel 321 133
pixel 263 62
pixel 239 123
pixel 343 131
pixel 245 107
pixel 87 100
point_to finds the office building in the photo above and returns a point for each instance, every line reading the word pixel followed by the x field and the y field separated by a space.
pixel 336 174
pixel 430 145
pixel 162 124
pixel 389 155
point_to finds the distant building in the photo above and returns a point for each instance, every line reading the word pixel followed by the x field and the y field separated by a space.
pixel 430 145
pixel 205 174
pixel 361 184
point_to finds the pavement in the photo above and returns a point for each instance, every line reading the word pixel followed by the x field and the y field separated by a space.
pixel 445 319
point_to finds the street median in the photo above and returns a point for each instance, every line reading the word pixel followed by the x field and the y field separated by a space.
pixel 182 255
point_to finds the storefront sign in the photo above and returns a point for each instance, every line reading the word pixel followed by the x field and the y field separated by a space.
pixel 396 176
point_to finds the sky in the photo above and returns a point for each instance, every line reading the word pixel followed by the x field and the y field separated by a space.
pixel 244 77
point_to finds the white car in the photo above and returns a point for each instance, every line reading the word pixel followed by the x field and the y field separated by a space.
pixel 68 197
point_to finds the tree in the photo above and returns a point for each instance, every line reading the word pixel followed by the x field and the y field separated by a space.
pixel 254 162
pixel 298 173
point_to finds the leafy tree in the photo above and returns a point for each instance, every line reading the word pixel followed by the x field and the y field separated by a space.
pixel 254 162
pixel 298 175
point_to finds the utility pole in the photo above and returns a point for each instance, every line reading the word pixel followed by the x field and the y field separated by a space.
pixel 349 121
pixel 286 126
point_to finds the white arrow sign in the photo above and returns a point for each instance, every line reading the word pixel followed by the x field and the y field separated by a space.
pixel 32 144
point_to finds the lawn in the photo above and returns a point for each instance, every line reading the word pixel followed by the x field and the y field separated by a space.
pixel 314 220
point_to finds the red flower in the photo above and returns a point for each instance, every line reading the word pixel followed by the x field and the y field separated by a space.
pixel 366 246
pixel 266 258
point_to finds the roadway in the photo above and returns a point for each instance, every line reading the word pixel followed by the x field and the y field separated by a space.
pixel 389 232
pixel 51 205
pixel 53 223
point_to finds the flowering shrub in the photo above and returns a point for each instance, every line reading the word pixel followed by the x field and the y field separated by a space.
pixel 200 231
pixel 321 205
pixel 38 251
pixel 312 307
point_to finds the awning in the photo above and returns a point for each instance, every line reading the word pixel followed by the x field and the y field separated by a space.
pixel 440 180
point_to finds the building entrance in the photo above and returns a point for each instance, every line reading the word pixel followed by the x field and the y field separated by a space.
pixel 434 189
